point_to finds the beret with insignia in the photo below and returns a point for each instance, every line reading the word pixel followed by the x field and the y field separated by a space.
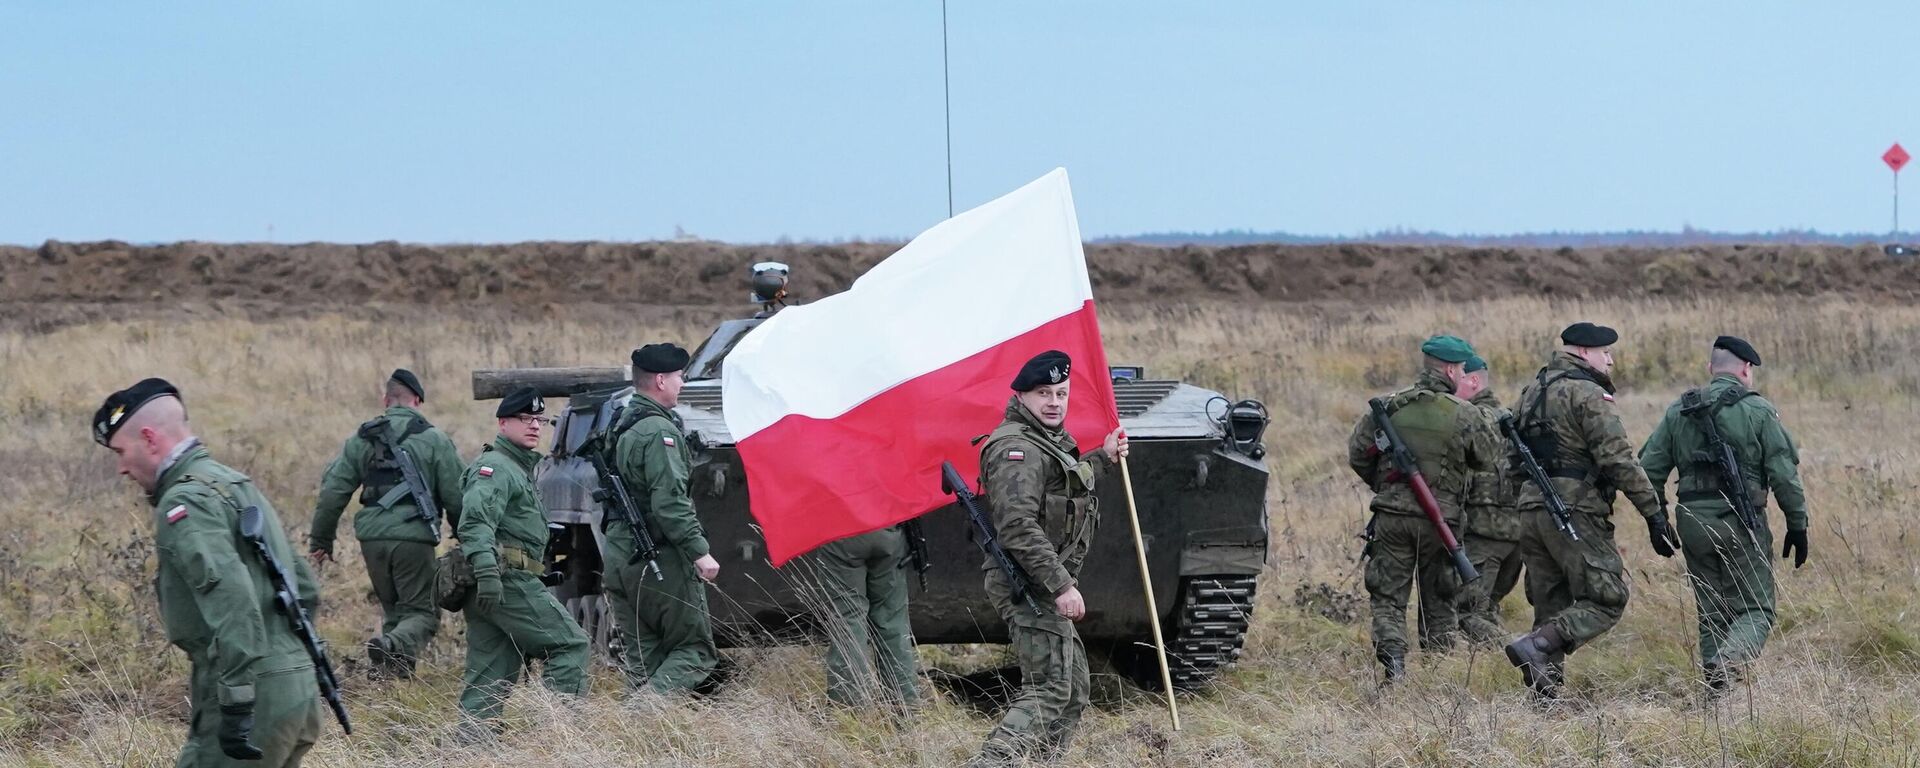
pixel 1449 349
pixel 1050 367
pixel 1739 347
pixel 525 400
pixel 1585 334
pixel 121 406
pixel 1476 364
pixel 410 381
pixel 660 358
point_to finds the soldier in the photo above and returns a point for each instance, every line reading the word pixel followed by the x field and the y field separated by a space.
pixel 864 580
pixel 254 696
pixel 1731 572
pixel 1493 525
pixel 397 538
pixel 511 618
pixel 662 613
pixel 1040 495
pixel 1579 587
pixel 1448 437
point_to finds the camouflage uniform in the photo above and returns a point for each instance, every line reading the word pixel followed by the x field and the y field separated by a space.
pixel 396 542
pixel 1579 587
pixel 1450 440
pixel 503 533
pixel 1492 538
pixel 1731 570
pixel 1040 496
pixel 865 585
pixel 217 604
pixel 669 635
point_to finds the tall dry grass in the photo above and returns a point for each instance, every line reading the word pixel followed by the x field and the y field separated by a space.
pixel 86 679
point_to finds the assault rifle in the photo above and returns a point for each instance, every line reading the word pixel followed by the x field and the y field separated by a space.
pixel 951 482
pixel 1556 506
pixel 286 597
pixel 1726 463
pixel 617 503
pixel 1387 440
pixel 416 485
pixel 917 558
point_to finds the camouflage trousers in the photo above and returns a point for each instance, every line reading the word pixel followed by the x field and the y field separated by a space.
pixel 1054 688
pixel 1580 587
pixel 528 624
pixel 402 575
pixel 1406 551
pixel 1499 564
pixel 870 652
pixel 1732 576
pixel 286 714
pixel 663 616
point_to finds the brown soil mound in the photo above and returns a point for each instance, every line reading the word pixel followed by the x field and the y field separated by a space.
pixel 290 277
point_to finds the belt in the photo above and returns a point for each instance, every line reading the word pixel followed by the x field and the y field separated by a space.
pixel 1573 473
pixel 520 559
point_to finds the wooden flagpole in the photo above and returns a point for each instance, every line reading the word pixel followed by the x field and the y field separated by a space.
pixel 1146 584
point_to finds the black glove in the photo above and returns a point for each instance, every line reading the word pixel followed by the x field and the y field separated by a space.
pixel 1797 546
pixel 1660 532
pixel 236 726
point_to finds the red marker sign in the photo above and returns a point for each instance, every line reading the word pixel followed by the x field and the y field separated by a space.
pixel 1896 157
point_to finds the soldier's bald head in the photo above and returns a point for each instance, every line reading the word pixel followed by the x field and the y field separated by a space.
pixel 165 416
pixel 1724 361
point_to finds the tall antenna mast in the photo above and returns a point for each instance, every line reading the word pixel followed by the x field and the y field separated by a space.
pixel 946 85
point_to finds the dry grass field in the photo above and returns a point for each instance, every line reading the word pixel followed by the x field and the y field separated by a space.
pixel 87 679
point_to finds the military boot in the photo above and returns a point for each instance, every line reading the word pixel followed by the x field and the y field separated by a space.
pixel 1538 655
pixel 384 663
pixel 1394 669
pixel 1720 679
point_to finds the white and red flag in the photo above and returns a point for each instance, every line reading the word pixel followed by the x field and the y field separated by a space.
pixel 844 408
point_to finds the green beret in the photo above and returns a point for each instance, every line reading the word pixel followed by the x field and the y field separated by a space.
pixel 525 400
pixel 1476 364
pixel 121 406
pixel 1450 349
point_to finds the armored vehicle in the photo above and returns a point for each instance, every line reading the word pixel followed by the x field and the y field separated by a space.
pixel 1198 479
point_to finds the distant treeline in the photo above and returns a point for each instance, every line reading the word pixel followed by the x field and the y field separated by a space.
pixel 1624 239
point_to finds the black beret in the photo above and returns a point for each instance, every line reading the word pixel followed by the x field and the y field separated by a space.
pixel 1585 334
pixel 1739 347
pixel 121 406
pixel 410 381
pixel 1049 367
pixel 660 358
pixel 525 400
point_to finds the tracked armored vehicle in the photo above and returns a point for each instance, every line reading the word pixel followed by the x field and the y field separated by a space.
pixel 1197 475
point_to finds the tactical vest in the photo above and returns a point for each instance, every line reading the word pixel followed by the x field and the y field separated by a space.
pixel 1700 471
pixel 624 419
pixel 1540 437
pixel 1426 421
pixel 382 471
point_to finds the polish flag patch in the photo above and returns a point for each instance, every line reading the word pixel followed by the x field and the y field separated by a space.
pixel 1606 397
pixel 486 471
pixel 668 440
pixel 176 514
pixel 1016 455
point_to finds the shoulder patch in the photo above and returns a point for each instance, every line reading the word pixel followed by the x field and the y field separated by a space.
pixel 1016 455
pixel 1606 397
pixel 486 472
pixel 667 440
pixel 177 514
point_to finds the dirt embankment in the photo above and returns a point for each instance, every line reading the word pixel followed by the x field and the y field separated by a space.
pixel 278 277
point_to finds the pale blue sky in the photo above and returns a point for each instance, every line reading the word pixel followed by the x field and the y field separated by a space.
pixel 480 122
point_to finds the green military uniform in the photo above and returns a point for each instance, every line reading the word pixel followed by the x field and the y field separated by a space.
pixel 664 618
pixel 1579 587
pixel 395 540
pixel 217 603
pixel 1731 569
pixel 1449 439
pixel 503 533
pixel 1040 496
pixel 863 581
pixel 1492 538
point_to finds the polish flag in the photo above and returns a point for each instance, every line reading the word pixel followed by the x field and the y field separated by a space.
pixel 844 408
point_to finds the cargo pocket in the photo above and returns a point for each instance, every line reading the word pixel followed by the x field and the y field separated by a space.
pixel 1605 584
pixel 1054 514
